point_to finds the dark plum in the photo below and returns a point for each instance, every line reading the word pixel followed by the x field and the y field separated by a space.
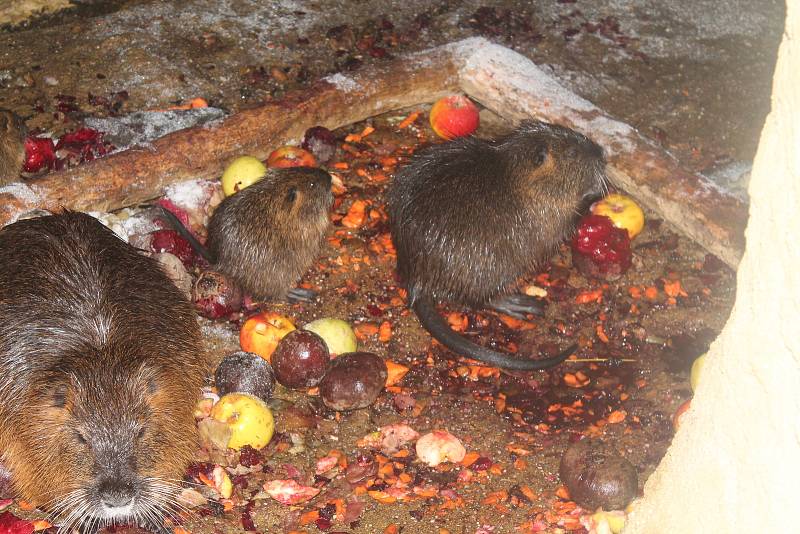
pixel 301 359
pixel 245 372
pixel 354 381
pixel 596 475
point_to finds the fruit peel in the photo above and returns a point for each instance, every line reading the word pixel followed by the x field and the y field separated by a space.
pixel 440 446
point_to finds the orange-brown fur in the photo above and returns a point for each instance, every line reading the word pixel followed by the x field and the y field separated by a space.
pixel 99 352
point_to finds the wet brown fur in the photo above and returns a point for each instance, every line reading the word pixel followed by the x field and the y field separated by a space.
pixel 12 146
pixel 96 344
pixel 469 217
pixel 267 235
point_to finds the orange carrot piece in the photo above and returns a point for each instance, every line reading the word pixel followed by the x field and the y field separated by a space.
pixel 385 332
pixel 408 121
pixel 309 517
pixel 396 372
pixel 595 295
pixel 617 416
pixel 355 215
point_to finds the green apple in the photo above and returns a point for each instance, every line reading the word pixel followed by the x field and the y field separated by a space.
pixel 337 334
pixel 243 171
pixel 248 417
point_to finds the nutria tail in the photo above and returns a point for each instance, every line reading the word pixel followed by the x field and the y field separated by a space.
pixel 426 311
pixel 178 226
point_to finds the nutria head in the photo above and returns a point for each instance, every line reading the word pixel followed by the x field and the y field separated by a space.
pixel 104 443
pixel 470 216
pixel 268 234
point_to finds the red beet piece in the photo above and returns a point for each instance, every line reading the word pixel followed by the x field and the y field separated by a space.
pixel 607 247
pixel 320 142
pixel 39 153
pixel 172 242
pixel 11 524
pixel 215 295
pixel 84 144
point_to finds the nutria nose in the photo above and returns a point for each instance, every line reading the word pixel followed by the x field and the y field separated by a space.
pixel 116 494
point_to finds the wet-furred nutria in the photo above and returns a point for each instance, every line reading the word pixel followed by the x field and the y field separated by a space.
pixel 469 217
pixel 267 235
pixel 12 146
pixel 101 363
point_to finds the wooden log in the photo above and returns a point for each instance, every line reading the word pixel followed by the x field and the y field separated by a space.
pixel 502 80
pixel 137 175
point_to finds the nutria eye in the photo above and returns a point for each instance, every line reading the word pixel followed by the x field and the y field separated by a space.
pixel 291 196
pixel 140 434
pixel 539 155
pixel 80 437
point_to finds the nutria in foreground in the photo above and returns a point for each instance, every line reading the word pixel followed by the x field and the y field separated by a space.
pixel 101 364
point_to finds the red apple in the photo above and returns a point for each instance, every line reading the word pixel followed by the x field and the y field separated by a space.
pixel 290 156
pixel 623 211
pixel 261 333
pixel 454 116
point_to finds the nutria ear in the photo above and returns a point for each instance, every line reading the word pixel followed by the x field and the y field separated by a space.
pixel 538 154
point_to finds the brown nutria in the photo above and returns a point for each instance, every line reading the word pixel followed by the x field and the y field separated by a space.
pixel 268 234
pixel 101 362
pixel 12 146
pixel 469 217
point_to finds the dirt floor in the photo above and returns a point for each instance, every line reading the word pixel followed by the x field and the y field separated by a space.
pixel 693 75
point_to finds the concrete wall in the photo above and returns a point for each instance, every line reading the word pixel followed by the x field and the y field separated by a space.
pixel 734 466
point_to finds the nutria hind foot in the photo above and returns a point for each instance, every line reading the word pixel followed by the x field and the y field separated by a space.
pixel 425 309
pixel 299 294
pixel 518 305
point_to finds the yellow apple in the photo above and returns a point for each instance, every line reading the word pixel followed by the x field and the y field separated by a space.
pixel 623 211
pixel 243 171
pixel 261 333
pixel 338 335
pixel 697 368
pixel 249 419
